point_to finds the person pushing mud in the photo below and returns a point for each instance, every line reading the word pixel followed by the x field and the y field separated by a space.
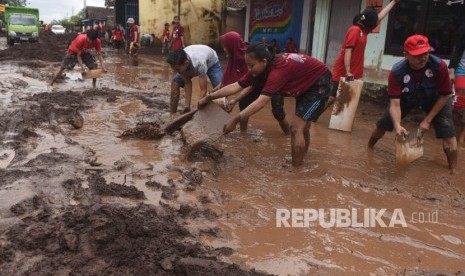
pixel 289 75
pixel 79 52
pixel 420 80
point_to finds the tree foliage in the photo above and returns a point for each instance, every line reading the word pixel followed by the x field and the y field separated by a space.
pixel 72 21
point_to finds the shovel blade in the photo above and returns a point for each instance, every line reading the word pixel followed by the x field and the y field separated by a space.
pixel 93 74
pixel 407 151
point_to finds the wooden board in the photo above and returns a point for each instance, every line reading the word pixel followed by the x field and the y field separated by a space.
pixel 93 74
pixel 177 123
pixel 407 150
pixel 345 106
pixel 206 125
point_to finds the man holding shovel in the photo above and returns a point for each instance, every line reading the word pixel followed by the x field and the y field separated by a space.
pixel 79 52
pixel 420 80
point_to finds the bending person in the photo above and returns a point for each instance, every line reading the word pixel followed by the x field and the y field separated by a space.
pixel 235 49
pixel 289 75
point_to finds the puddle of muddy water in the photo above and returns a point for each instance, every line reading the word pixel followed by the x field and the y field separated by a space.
pixel 258 177
pixel 338 172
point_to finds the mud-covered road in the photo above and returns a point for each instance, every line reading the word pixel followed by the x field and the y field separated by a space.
pixel 90 185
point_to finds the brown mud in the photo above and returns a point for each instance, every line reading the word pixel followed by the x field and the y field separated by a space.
pixel 110 197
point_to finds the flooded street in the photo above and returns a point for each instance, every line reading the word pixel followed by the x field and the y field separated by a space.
pixel 236 203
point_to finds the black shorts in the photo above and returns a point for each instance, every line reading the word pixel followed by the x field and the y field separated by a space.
pixel 443 121
pixel 310 104
pixel 277 103
pixel 70 61
pixel 118 44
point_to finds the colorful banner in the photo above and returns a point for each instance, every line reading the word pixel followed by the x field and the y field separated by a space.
pixel 276 20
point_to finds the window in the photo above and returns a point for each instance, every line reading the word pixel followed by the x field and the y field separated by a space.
pixel 436 19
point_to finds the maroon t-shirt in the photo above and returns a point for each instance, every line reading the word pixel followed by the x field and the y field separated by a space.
pixel 443 81
pixel 290 75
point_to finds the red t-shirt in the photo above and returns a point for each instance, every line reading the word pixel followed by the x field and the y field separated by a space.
pixel 356 39
pixel 117 35
pixel 132 34
pixel 459 102
pixel 290 75
pixel 178 32
pixel 80 43
pixel 166 35
pixel 443 81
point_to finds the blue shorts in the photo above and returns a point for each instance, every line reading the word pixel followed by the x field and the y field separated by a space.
pixel 214 73
pixel 310 105
pixel 443 122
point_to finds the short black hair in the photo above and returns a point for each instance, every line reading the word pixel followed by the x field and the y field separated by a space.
pixel 92 34
pixel 368 18
pixel 177 57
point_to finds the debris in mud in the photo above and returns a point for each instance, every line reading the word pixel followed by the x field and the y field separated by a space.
pixel 50 47
pixel 100 187
pixel 76 120
pixel 153 184
pixel 203 151
pixel 108 240
pixel 122 164
pixel 168 192
pixel 145 130
pixel 193 176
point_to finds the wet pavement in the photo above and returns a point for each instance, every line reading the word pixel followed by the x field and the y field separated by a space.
pixel 255 178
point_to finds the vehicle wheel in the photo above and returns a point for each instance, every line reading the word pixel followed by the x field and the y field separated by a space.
pixel 10 42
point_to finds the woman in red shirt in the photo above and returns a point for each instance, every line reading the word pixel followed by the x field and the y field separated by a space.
pixel 349 63
pixel 289 75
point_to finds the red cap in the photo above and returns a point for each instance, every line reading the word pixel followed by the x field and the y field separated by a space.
pixel 417 45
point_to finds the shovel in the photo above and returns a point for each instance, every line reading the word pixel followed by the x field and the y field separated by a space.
pixel 92 74
pixel 409 149
pixel 179 121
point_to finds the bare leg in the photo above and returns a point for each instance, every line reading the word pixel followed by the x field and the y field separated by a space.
pixel 461 140
pixel 307 135
pixel 57 76
pixel 297 141
pixel 187 102
pixel 174 99
pixel 377 134
pixel 285 126
pixel 450 149
pixel 244 124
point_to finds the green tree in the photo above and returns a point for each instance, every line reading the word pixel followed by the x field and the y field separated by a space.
pixel 17 3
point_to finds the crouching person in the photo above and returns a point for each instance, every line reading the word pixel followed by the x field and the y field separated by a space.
pixel 420 80
pixel 79 52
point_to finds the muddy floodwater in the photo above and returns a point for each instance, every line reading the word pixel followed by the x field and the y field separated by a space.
pixel 102 197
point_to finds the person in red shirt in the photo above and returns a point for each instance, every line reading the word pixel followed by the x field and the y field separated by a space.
pixel 289 75
pixel 290 47
pixel 349 63
pixel 165 38
pixel 79 52
pixel 117 36
pixel 177 36
pixel 457 77
pixel 420 80
pixel 275 46
pixel 134 40
pixel 235 49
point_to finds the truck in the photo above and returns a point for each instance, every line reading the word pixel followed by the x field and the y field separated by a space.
pixel 22 24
